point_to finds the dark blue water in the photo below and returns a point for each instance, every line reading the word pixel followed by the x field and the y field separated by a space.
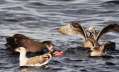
pixel 38 19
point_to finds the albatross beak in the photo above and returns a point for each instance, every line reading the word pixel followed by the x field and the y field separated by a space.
pixel 59 53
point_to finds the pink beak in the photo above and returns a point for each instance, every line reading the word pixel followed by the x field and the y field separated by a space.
pixel 59 53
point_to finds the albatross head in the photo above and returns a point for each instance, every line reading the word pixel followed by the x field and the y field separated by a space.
pixel 49 45
pixel 71 28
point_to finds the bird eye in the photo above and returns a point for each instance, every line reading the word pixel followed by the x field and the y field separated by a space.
pixel 75 24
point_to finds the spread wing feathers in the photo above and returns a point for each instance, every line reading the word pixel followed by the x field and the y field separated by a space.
pixel 72 29
pixel 109 28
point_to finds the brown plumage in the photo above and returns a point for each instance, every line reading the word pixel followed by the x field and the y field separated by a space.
pixel 91 36
pixel 73 29
pixel 20 40
pixel 108 28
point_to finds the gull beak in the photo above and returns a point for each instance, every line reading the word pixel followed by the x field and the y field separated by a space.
pixel 16 50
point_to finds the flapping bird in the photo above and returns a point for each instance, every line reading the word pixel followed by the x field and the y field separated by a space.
pixel 91 36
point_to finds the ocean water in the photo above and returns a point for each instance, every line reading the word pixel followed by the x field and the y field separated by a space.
pixel 39 19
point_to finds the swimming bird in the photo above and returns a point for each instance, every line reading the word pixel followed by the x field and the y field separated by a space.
pixel 34 61
pixel 32 46
pixel 91 36
pixel 99 50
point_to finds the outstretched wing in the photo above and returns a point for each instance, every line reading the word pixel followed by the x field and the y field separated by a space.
pixel 109 28
pixel 74 28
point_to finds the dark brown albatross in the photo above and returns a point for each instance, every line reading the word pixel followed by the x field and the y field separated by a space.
pixel 91 36
pixel 20 40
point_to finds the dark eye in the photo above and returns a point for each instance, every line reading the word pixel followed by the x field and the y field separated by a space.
pixel 76 25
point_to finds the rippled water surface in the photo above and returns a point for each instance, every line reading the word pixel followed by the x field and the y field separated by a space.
pixel 39 19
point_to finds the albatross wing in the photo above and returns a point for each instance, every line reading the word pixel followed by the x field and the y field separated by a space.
pixel 109 28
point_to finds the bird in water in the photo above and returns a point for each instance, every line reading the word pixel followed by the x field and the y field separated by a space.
pixel 91 36
pixel 32 46
pixel 40 60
